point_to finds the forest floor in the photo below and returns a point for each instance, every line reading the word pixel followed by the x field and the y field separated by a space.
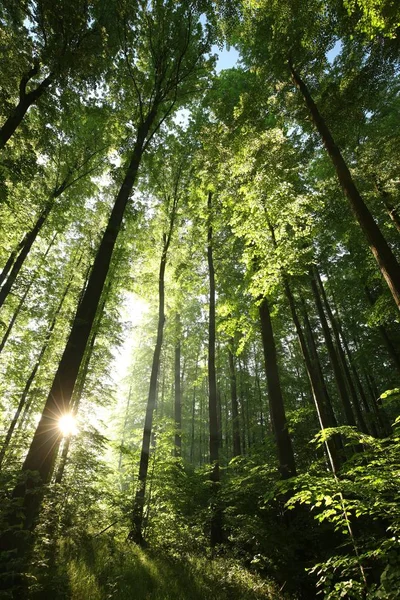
pixel 125 572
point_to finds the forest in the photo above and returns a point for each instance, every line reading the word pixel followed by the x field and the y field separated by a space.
pixel 199 299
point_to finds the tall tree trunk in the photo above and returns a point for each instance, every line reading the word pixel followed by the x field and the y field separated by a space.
pixel 124 428
pixel 324 416
pixel 333 357
pixel 25 392
pixel 234 404
pixel 81 380
pixel 10 262
pixel 177 390
pixel 24 247
pixel 26 99
pixel 136 533
pixel 216 516
pixel 356 403
pixel 316 362
pixel 286 460
pixel 25 294
pixel 46 440
pixel 381 250
pixel 193 412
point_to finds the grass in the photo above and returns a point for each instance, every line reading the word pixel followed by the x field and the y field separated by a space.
pixel 115 570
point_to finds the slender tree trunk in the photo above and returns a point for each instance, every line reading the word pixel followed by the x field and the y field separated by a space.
pixel 25 392
pixel 317 364
pixel 10 262
pixel 124 428
pixel 178 395
pixel 25 247
pixel 356 403
pixel 381 250
pixel 26 99
pixel 234 403
pixel 324 417
pixel 25 294
pixel 136 533
pixel 193 412
pixel 216 516
pixel 46 440
pixel 333 357
pixel 286 460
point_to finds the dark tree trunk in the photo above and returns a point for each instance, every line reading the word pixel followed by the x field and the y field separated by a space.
pixel 81 380
pixel 193 412
pixel 286 460
pixel 234 403
pixel 25 392
pixel 46 440
pixel 178 395
pixel 382 252
pixel 324 416
pixel 333 357
pixel 317 364
pixel 25 247
pixel 10 262
pixel 216 516
pixel 136 533
pixel 24 296
pixel 356 403
pixel 25 102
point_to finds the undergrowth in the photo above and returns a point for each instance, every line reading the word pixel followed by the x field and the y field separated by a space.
pixel 113 569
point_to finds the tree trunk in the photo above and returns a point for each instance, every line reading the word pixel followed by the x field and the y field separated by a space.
pixel 382 252
pixel 25 294
pixel 333 357
pixel 216 515
pixel 177 390
pixel 46 440
pixel 25 102
pixel 234 403
pixel 136 534
pixel 287 466
pixel 356 403
pixel 324 417
pixel 124 428
pixel 81 380
pixel 25 392
pixel 25 245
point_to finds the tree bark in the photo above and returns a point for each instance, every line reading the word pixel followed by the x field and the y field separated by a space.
pixel 177 390
pixel 333 357
pixel 26 99
pixel 216 514
pixel 25 392
pixel 24 296
pixel 46 440
pixel 136 533
pixel 287 466
pixel 381 250
pixel 26 245
pixel 324 417
pixel 234 405
pixel 356 403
